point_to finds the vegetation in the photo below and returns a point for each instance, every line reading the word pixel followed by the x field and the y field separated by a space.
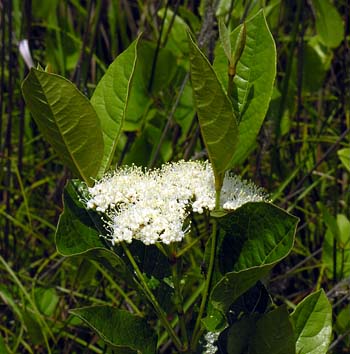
pixel 259 88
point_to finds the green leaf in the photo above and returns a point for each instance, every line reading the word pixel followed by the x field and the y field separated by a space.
pixel 255 300
pixel 163 76
pixel 329 220
pixel 46 300
pixel 252 240
pixel 253 82
pixel 239 46
pixel 67 121
pixel 329 24
pixel 342 324
pixel 215 320
pixel 3 347
pixel 274 333
pixel 150 260
pixel 342 256
pixel 316 63
pixel 225 38
pixel 79 233
pixel 33 326
pixel 216 118
pixel 110 100
pixel 234 284
pixel 339 230
pixel 312 320
pixel 255 234
pixel 239 335
pixel 174 33
pixel 119 328
pixel 344 230
pixel 271 333
pixel 344 156
pixel 77 229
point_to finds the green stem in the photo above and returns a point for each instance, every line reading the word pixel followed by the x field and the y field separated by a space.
pixel 119 289
pixel 231 75
pixel 197 328
pixel 153 300
pixel 190 301
pixel 197 332
pixel 175 269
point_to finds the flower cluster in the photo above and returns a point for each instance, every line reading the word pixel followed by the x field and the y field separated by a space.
pixel 210 347
pixel 153 205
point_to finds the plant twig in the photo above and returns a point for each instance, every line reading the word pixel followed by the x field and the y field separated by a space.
pixel 152 299
pixel 197 328
pixel 176 271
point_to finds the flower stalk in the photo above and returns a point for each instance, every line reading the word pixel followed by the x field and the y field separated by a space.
pixel 197 328
pixel 178 299
pixel 152 299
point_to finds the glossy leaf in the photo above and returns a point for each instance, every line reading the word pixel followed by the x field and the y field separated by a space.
pixel 119 328
pixel 329 24
pixel 253 82
pixel 252 240
pixel 77 229
pixel 271 333
pixel 312 320
pixel 216 118
pixel 67 121
pixel 79 233
pixel 110 100
pixel 344 156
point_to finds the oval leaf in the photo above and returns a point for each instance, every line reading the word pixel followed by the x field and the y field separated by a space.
pixel 216 118
pixel 67 121
pixel 329 24
pixel 110 100
pixel 253 82
pixel 271 333
pixel 119 328
pixel 312 321
pixel 344 156
pixel 78 228
pixel 253 239
pixel 78 233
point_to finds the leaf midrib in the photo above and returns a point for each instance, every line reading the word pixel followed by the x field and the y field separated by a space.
pixel 59 128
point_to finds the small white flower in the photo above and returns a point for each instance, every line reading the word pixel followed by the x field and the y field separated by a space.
pixel 152 205
pixel 210 347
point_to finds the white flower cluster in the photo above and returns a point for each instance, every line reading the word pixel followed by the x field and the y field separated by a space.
pixel 210 347
pixel 153 205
